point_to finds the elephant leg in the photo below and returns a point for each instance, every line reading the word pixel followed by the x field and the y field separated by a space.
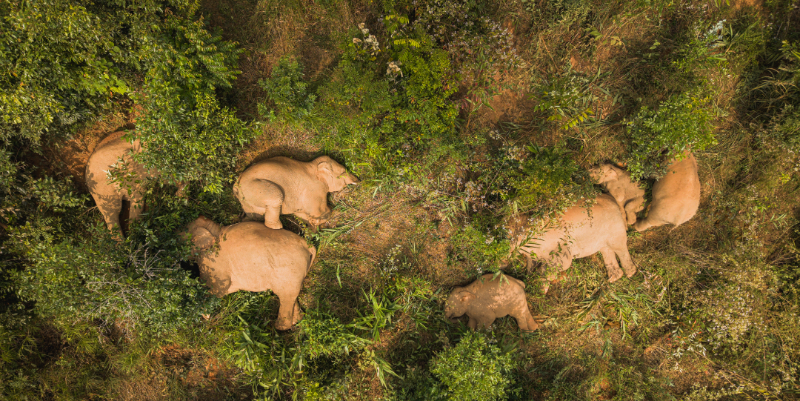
pixel 483 321
pixel 610 260
pixel 472 324
pixel 110 207
pixel 297 313
pixel 625 260
pixel 286 312
pixel 272 196
pixel 631 208
pixel 264 197
pixel 623 212
pixel 137 207
pixel 525 320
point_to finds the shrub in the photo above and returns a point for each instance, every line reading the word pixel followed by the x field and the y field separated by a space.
pixel 186 134
pixel 60 64
pixel 658 136
pixel 568 98
pixel 95 277
pixel 287 91
pixel 474 369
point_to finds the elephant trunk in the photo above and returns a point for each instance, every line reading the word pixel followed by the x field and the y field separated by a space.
pixel 351 179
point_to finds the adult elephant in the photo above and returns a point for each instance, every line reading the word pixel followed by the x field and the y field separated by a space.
pixel 580 232
pixel 109 195
pixel 281 185
pixel 676 195
pixel 249 256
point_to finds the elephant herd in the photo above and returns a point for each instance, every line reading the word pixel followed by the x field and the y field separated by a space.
pixel 256 256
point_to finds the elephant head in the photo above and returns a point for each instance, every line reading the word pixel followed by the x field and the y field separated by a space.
pixel 604 173
pixel 457 303
pixel 333 174
pixel 204 233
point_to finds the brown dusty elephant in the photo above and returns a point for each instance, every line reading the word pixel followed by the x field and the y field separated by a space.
pixel 676 196
pixel 284 186
pixel 487 299
pixel 108 195
pixel 619 185
pixel 582 232
pixel 252 257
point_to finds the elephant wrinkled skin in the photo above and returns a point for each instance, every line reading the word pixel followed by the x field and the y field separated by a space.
pixel 284 186
pixel 676 196
pixel 108 195
pixel 581 233
pixel 252 257
pixel 487 299
pixel 619 185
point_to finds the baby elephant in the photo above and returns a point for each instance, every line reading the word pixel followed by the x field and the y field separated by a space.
pixel 252 257
pixel 108 195
pixel 284 186
pixel 619 185
pixel 676 196
pixel 487 299
pixel 581 233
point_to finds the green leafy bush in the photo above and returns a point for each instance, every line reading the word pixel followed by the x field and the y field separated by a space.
pixel 680 123
pixel 96 277
pixel 568 98
pixel 59 63
pixel 287 91
pixel 185 133
pixel 474 369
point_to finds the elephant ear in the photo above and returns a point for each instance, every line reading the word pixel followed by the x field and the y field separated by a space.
pixel 612 172
pixel 465 296
pixel 203 233
pixel 325 171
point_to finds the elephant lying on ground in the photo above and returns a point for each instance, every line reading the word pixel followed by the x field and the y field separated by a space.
pixel 579 233
pixel 108 195
pixel 284 186
pixel 619 185
pixel 676 196
pixel 487 299
pixel 253 257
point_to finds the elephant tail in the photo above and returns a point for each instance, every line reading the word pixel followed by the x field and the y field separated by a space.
pixel 313 252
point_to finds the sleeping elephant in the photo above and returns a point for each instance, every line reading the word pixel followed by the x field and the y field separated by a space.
pixel 582 232
pixel 252 257
pixel 109 195
pixel 489 298
pixel 619 185
pixel 676 196
pixel 284 186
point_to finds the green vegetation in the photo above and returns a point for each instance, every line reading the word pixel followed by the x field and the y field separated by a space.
pixel 464 120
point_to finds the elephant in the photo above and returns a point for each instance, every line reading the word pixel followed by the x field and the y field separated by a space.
pixel 284 186
pixel 676 195
pixel 619 185
pixel 489 298
pixel 252 257
pixel 579 233
pixel 109 195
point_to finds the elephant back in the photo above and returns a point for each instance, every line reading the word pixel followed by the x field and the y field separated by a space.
pixel 254 257
pixel 302 190
pixel 106 154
